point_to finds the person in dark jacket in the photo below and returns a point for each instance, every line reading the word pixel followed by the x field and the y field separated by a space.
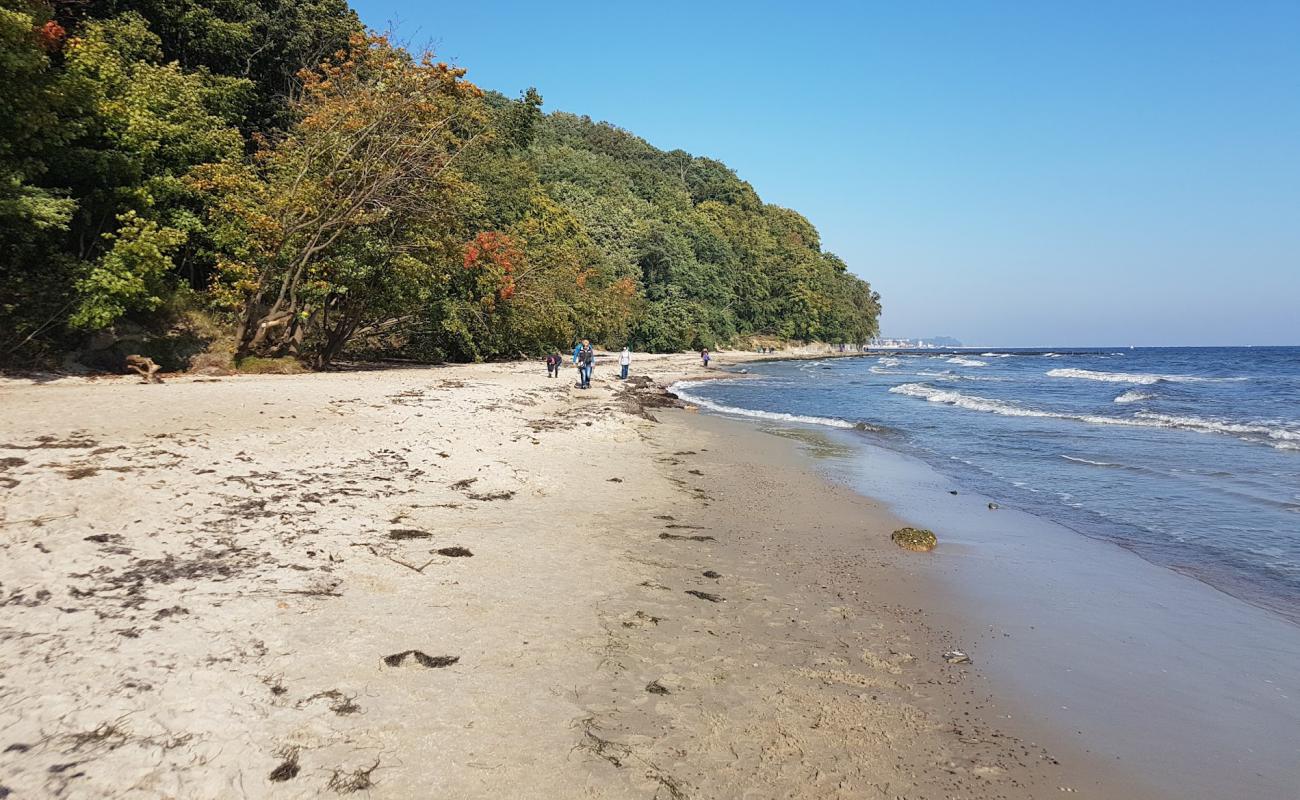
pixel 586 359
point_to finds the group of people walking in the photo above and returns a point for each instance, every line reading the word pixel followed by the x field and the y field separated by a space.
pixel 584 358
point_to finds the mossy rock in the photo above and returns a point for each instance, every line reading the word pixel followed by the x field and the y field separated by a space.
pixel 915 539
pixel 285 365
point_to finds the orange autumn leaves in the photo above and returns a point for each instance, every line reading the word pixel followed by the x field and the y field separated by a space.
pixel 317 224
pixel 51 36
pixel 495 257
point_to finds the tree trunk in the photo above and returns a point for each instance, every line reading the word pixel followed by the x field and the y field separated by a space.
pixel 337 339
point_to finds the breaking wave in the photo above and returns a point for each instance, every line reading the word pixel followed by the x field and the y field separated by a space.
pixel 1134 396
pixel 1278 437
pixel 1275 433
pixel 967 362
pixel 1141 378
pixel 681 389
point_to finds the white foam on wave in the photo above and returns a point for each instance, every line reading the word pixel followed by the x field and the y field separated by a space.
pixel 967 362
pixel 1279 437
pixel 1090 462
pixel 1277 433
pixel 889 361
pixel 1140 378
pixel 969 402
pixel 681 389
pixel 1134 396
pixel 883 371
pixel 949 375
pixel 996 355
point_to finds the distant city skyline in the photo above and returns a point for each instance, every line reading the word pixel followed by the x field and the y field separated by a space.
pixel 1005 173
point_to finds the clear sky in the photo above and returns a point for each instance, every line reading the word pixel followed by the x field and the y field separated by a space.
pixel 1032 173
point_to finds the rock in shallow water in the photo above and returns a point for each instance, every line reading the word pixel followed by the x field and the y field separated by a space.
pixel 915 539
pixel 956 657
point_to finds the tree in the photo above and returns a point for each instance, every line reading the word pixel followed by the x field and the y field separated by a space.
pixel 326 190
pixel 99 135
pixel 375 134
pixel 265 42
pixel 149 124
pixel 35 122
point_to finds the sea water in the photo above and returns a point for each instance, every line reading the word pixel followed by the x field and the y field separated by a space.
pixel 1189 457
pixel 1176 653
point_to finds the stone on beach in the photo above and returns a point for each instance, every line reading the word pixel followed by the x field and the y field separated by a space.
pixel 917 540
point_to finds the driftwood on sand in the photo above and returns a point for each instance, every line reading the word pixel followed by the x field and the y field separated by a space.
pixel 146 368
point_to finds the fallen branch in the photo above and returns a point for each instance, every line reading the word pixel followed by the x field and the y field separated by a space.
pixel 38 520
pixel 419 569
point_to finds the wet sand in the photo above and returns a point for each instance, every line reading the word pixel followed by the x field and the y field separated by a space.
pixel 1139 664
pixel 466 582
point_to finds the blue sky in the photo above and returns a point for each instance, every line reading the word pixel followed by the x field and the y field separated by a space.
pixel 1034 173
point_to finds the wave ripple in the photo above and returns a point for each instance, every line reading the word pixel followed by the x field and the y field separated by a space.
pixel 1140 378
pixel 1277 436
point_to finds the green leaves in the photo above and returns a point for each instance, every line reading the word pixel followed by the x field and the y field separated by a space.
pixel 711 261
pixel 325 189
pixel 129 276
pixel 340 220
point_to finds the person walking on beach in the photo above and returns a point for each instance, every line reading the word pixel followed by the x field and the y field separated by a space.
pixel 552 364
pixel 586 358
pixel 624 361
pixel 577 350
pixel 704 357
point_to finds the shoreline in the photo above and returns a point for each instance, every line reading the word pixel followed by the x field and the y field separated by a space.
pixel 1213 576
pixel 1143 665
pixel 218 589
pixel 841 559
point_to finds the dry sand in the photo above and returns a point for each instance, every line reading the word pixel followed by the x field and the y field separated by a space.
pixel 207 587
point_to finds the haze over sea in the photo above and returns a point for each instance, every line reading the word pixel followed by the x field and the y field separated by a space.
pixel 1189 457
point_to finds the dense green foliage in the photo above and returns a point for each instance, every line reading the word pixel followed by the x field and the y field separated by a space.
pixel 307 189
pixel 711 260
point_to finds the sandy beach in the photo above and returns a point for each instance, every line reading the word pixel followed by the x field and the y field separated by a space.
pixel 465 581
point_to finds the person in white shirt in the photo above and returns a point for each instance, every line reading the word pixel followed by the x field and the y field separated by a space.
pixel 624 361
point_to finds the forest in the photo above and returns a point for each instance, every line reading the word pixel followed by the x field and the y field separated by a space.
pixel 267 181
